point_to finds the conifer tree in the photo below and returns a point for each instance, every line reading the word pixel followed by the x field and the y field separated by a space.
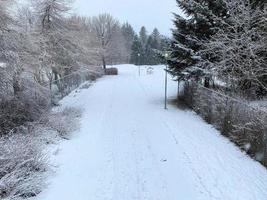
pixel 204 18
pixel 156 39
pixel 240 48
pixel 137 52
pixel 150 52
pixel 128 34
pixel 143 36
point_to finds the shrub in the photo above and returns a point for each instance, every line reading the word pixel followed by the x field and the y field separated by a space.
pixel 23 162
pixel 245 125
pixel 112 71
pixel 64 122
pixel 21 167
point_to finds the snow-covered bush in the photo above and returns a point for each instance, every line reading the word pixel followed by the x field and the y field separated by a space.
pixel 23 159
pixel 244 124
pixel 22 164
pixel 86 85
pixel 64 122
pixel 112 71
pixel 30 101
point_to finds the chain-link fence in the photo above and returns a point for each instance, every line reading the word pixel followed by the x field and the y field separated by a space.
pixel 33 98
pixel 237 119
pixel 62 86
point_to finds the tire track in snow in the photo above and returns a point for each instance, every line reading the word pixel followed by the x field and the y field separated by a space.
pixel 163 183
pixel 186 156
pixel 190 163
pixel 108 167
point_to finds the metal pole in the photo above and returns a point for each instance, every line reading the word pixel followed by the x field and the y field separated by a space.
pixel 139 68
pixel 166 86
pixel 166 80
pixel 178 90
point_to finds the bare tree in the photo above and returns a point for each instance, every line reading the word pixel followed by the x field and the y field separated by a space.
pixel 117 52
pixel 51 29
pixel 80 31
pixel 104 27
pixel 51 13
pixel 5 18
pixel 25 18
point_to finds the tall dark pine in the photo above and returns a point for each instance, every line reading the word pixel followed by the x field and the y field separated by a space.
pixel 137 52
pixel 188 34
pixel 153 48
pixel 128 34
pixel 150 52
pixel 143 36
pixel 156 37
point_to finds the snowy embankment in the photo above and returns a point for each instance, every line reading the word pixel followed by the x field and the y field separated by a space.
pixel 129 147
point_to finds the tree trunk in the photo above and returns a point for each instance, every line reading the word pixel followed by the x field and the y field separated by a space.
pixel 207 82
pixel 104 63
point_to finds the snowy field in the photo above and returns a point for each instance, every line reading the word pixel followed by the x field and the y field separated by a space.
pixel 130 148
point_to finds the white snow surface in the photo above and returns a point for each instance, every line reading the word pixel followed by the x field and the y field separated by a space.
pixel 130 148
pixel 2 65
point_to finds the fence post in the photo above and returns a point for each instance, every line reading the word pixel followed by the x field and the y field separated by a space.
pixel 265 140
pixel 178 90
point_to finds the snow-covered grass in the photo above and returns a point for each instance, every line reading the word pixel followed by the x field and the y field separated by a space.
pixel 63 121
pixel 24 156
pixel 130 148
pixel 262 104
pixel 240 121
pixel 22 165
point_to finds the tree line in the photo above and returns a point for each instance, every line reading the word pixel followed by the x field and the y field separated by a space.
pixel 147 48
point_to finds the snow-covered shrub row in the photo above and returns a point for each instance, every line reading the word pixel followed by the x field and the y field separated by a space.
pixel 43 56
pixel 67 84
pixel 245 125
pixel 63 121
pixel 21 167
pixel 112 71
pixel 23 156
pixel 30 101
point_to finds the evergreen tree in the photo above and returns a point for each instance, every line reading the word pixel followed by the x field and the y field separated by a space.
pixel 137 52
pixel 153 48
pixel 165 43
pixel 240 48
pixel 204 18
pixel 129 34
pixel 143 36
pixel 156 39
pixel 150 52
pixel 149 48
pixel 128 31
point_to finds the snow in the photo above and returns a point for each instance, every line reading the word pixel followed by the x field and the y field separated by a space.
pixel 261 105
pixel 130 148
pixel 2 65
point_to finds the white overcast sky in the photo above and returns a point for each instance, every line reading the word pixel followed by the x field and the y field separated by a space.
pixel 150 13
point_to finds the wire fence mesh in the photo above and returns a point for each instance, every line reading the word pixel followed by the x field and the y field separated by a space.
pixel 34 99
pixel 237 119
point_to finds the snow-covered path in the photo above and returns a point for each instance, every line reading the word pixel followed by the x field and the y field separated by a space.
pixel 130 148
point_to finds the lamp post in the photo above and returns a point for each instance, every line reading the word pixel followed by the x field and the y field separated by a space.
pixel 139 69
pixel 166 79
